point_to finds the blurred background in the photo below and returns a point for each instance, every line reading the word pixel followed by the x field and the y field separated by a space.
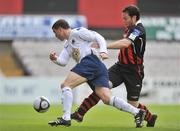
pixel 26 39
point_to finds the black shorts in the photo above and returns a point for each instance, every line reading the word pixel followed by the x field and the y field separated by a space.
pixel 130 75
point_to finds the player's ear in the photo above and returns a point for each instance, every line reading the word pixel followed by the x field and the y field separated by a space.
pixel 134 18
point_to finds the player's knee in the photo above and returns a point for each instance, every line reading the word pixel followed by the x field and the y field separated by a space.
pixel 62 86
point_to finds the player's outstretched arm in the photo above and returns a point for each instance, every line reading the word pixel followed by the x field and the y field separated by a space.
pixel 119 44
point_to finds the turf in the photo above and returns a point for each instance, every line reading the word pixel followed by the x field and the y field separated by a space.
pixel 100 118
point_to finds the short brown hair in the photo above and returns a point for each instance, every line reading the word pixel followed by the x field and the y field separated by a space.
pixel 132 10
pixel 61 23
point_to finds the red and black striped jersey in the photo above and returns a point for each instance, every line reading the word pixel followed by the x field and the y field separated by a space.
pixel 134 54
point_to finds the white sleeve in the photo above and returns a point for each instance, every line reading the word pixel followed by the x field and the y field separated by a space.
pixel 93 36
pixel 63 58
pixel 102 42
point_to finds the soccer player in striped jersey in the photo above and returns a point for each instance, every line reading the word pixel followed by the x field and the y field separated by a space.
pixel 129 69
pixel 89 68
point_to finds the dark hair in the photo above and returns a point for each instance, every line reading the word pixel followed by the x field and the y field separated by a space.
pixel 132 10
pixel 61 23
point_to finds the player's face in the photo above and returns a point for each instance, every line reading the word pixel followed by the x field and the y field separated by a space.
pixel 127 20
pixel 59 34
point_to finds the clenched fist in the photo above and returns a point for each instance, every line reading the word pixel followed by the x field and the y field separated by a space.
pixel 53 56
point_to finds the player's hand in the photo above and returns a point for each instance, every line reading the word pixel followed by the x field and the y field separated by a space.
pixel 103 55
pixel 53 56
pixel 95 45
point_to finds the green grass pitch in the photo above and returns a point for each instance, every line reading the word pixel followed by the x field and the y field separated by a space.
pixel 100 118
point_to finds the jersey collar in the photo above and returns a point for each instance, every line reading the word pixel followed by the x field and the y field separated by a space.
pixel 139 21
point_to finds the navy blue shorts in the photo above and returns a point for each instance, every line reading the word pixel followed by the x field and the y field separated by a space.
pixel 93 70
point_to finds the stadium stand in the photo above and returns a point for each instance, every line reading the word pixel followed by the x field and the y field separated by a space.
pixel 34 56
pixel 8 64
pixel 1 74
pixel 161 59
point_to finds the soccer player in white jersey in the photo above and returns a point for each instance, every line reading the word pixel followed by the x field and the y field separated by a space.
pixel 89 68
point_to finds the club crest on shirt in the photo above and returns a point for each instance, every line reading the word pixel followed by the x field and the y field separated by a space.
pixel 76 54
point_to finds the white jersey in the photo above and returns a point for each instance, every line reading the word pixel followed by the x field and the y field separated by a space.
pixel 78 45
